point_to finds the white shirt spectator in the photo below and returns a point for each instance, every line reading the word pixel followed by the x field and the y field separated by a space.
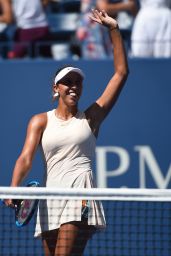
pixel 151 34
pixel 33 17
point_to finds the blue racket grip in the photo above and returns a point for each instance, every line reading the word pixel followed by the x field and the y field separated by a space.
pixel 2 202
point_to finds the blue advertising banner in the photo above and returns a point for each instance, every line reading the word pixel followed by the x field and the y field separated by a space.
pixel 133 147
pixel 133 150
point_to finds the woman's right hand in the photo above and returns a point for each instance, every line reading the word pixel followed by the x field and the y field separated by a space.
pixel 9 203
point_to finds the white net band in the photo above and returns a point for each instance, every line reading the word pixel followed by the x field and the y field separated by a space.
pixel 121 194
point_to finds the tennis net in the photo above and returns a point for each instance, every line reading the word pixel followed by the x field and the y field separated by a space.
pixel 138 221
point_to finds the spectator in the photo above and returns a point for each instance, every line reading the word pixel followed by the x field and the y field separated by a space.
pixel 5 19
pixel 114 7
pixel 32 28
pixel 89 34
pixel 95 41
pixel 151 35
pixel 124 11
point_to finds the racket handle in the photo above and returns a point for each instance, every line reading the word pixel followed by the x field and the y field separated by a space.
pixel 2 202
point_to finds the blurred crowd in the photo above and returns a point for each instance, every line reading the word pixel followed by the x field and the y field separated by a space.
pixel 62 29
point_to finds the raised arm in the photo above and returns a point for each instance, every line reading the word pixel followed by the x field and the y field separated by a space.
pixel 99 110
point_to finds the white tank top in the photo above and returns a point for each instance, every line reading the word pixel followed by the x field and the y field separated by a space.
pixel 29 14
pixel 68 148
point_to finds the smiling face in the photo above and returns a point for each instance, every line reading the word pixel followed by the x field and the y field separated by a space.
pixel 69 89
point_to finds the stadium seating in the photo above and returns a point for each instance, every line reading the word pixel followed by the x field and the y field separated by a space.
pixel 63 25
pixel 65 6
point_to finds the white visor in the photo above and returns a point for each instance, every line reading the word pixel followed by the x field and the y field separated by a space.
pixel 65 71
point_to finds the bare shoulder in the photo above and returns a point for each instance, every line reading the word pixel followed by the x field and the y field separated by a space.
pixel 38 121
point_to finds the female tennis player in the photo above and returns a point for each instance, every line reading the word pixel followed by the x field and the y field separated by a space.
pixel 67 137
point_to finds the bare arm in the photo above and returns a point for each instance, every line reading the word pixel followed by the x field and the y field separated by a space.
pixel 6 15
pixel 24 162
pixel 114 8
pixel 99 110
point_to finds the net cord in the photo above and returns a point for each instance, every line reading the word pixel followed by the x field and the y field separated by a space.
pixel 120 194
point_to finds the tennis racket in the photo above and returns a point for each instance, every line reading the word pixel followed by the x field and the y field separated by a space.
pixel 25 208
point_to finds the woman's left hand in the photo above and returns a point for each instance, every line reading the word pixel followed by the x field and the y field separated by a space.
pixel 103 18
